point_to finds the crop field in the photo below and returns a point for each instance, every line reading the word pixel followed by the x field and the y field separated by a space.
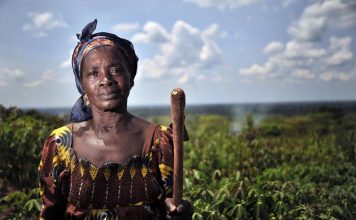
pixel 301 166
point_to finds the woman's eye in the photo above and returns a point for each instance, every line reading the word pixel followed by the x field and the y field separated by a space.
pixel 92 73
pixel 115 71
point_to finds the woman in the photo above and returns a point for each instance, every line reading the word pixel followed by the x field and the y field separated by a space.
pixel 107 164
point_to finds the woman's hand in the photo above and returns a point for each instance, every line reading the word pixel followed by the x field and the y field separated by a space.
pixel 183 211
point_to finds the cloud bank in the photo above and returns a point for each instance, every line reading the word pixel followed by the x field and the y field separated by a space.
pixel 304 56
pixel 184 52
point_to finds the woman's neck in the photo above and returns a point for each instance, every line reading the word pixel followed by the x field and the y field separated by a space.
pixel 109 121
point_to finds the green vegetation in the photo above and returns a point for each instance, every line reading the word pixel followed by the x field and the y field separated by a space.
pixel 295 167
pixel 21 139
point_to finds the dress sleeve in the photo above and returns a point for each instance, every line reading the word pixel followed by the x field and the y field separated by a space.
pixel 51 171
pixel 164 148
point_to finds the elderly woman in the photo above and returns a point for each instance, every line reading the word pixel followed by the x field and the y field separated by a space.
pixel 107 163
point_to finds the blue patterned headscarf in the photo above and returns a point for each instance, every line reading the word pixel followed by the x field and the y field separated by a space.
pixel 88 42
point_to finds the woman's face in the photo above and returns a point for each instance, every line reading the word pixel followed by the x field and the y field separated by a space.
pixel 106 79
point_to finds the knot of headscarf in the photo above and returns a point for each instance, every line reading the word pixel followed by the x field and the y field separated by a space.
pixel 88 42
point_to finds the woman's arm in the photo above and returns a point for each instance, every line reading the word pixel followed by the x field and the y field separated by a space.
pixel 165 162
pixel 51 172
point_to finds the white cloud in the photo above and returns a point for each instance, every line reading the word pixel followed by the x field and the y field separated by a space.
pixel 319 17
pixel 297 49
pixel 254 70
pixel 125 27
pixel 9 75
pixel 210 53
pixel 303 73
pixel 340 48
pixel 304 56
pixel 41 23
pixel 68 62
pixel 309 29
pixel 16 73
pixel 185 52
pixel 297 57
pixel 46 77
pixel 223 4
pixel 213 32
pixel 273 47
pixel 152 33
pixel 328 76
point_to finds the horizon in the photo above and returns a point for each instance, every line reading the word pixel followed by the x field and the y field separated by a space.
pixel 205 104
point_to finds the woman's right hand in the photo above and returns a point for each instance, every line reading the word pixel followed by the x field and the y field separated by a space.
pixel 184 211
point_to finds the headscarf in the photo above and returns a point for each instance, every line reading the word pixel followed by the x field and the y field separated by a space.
pixel 88 42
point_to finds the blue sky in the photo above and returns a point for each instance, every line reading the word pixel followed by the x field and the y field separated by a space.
pixel 223 51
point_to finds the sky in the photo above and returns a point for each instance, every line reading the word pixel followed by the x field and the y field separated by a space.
pixel 227 51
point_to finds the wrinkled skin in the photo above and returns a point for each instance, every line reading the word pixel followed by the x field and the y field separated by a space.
pixel 106 79
pixel 113 134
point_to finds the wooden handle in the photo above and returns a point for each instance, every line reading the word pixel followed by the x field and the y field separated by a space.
pixel 177 111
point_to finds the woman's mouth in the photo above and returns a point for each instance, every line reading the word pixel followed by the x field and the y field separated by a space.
pixel 110 95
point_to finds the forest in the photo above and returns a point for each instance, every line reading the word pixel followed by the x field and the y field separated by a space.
pixel 300 166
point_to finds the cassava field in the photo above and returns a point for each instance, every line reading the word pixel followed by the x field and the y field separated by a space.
pixel 251 166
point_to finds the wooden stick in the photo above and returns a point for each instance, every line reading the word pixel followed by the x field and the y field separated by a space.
pixel 177 111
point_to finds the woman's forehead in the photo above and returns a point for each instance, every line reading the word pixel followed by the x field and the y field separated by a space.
pixel 105 52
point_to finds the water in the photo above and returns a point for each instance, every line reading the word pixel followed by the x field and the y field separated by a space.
pixel 230 110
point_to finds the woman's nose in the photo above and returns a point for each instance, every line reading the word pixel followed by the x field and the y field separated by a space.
pixel 106 79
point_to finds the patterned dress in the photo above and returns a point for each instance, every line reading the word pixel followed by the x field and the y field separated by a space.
pixel 74 188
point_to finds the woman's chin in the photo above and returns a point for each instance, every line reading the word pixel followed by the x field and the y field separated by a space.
pixel 113 105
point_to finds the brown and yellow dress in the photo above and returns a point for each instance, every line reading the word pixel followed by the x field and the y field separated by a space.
pixel 74 188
